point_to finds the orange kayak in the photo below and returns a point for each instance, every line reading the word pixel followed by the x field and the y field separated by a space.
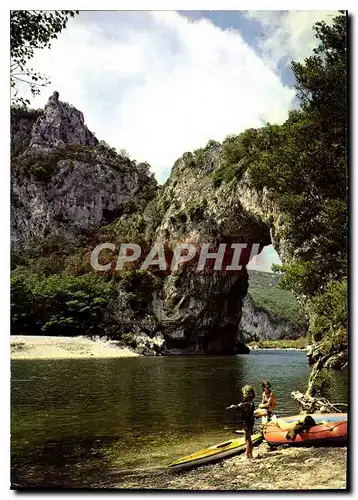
pixel 332 433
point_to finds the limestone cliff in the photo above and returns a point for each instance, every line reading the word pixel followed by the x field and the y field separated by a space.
pixel 257 324
pixel 200 312
pixel 65 182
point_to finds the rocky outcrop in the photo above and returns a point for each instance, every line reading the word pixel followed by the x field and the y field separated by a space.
pixel 79 196
pixel 22 122
pixel 200 313
pixel 257 324
pixel 60 124
pixel 261 207
pixel 64 181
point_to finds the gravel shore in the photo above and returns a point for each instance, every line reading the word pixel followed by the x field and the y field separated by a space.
pixel 282 469
pixel 38 347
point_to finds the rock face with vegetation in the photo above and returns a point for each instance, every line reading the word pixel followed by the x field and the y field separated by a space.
pixel 202 311
pixel 285 185
pixel 69 196
pixel 270 313
pixel 59 125
pixel 257 324
pixel 63 180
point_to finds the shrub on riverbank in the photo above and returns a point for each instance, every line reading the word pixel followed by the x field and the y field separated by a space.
pixel 322 384
pixel 69 305
pixel 59 304
pixel 329 314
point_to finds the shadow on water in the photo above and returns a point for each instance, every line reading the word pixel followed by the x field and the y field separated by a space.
pixel 73 421
pixel 69 462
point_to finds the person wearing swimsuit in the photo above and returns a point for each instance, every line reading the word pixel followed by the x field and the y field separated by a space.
pixel 268 402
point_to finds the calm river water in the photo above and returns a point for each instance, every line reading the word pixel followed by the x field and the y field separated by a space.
pixel 75 421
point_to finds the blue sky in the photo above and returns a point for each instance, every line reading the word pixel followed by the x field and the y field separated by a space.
pixel 159 83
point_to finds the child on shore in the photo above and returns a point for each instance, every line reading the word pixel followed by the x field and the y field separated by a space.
pixel 247 409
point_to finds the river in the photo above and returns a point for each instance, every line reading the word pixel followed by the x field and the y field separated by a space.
pixel 74 422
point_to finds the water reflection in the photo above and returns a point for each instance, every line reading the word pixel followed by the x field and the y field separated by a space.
pixel 135 411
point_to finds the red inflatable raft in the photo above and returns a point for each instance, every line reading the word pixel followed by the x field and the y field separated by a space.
pixel 326 432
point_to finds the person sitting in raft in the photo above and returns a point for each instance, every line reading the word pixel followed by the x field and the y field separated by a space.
pixel 247 409
pixel 295 428
pixel 268 402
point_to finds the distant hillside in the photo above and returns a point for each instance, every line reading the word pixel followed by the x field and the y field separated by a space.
pixel 277 303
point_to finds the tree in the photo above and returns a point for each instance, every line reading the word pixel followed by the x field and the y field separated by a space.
pixel 30 30
pixel 306 170
pixel 312 162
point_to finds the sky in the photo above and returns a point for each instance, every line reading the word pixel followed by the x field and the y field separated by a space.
pixel 159 83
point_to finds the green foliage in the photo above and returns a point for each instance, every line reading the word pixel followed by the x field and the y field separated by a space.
pixel 278 304
pixel 235 150
pixel 223 174
pixel 189 159
pixel 212 144
pixel 154 213
pixel 53 254
pixel 67 304
pixel 322 383
pixel 129 339
pixel 18 112
pixel 44 165
pixel 302 163
pixel 130 229
pixel 31 30
pixel 305 167
pixel 59 304
pixel 199 155
pixel 140 279
pixel 329 315
pixel 300 343
pixel 298 278
pixel 196 212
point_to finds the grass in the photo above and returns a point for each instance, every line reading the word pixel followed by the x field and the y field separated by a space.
pixel 300 343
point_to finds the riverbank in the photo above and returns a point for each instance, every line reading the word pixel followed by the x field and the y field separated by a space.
pixel 299 344
pixel 283 469
pixel 257 348
pixel 45 347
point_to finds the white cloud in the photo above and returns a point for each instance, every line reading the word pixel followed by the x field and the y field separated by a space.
pixel 264 260
pixel 158 85
pixel 288 35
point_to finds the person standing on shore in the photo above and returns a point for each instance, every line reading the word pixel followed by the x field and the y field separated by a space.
pixel 247 409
